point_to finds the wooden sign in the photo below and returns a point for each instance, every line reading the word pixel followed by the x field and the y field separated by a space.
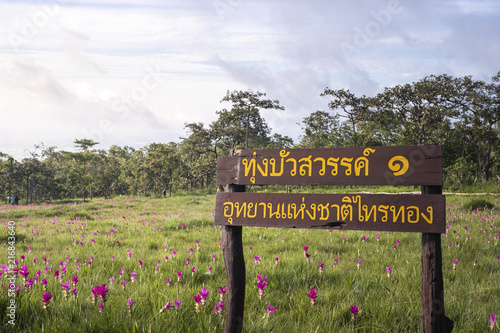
pixel 401 165
pixel 382 212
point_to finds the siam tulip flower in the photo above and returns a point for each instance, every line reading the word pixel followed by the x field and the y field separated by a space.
pixel 29 284
pixel 261 284
pixel 213 256
pixel 320 266
pixel 454 261
pixel 173 253
pixel 222 291
pixel 276 263
pixel 363 239
pixel 186 263
pixel 251 249
pixel 270 309
pixel 354 311
pixel 191 251
pixel 177 303
pixel 305 248
pixel 44 284
pixel 179 274
pixel 101 307
pixel 56 274
pixel 358 262
pixel 282 239
pixel 130 303
pixel 168 281
pixel 308 256
pixel 312 295
pixel 197 299
pixel 132 276
pixel 336 260
pixel 111 280
pixel 192 270
pixel 75 291
pixel 140 263
pixel 209 270
pixel 124 282
pixel 75 280
pixel 204 294
pixel 166 258
pixel 475 262
pixel 389 270
pixel 218 307
pixel 66 287
pixel 46 300
pixel 493 320
pixel 256 260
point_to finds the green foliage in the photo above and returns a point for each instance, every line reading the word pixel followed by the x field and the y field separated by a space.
pixel 476 204
pixel 386 304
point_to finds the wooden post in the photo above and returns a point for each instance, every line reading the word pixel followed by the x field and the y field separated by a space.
pixel 234 261
pixel 434 319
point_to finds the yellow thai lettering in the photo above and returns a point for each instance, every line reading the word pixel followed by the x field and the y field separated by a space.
pixel 307 164
pixel 412 211
pixel 346 162
pixel 383 209
pixel 323 165
pixel 401 212
pixel 333 162
pixel 430 218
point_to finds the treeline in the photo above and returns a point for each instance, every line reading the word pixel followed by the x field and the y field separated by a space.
pixel 461 113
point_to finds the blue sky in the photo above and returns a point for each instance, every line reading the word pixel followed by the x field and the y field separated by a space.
pixel 133 72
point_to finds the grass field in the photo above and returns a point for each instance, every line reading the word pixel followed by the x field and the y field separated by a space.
pixel 110 241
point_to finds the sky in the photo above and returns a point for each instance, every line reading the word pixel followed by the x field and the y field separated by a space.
pixel 132 72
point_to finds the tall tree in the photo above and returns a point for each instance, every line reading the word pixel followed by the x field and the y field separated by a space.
pixel 245 112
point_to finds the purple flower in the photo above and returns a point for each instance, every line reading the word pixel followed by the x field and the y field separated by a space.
pixel 168 281
pixel 270 309
pixel 66 285
pixel 101 307
pixel 320 265
pixel 354 310
pixel 204 293
pixel 46 300
pixel 219 307
pixel 493 320
pixel 312 295
pixel 389 271
pixel 197 298
pixel 177 303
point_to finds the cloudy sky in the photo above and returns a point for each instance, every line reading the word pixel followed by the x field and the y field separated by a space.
pixel 132 72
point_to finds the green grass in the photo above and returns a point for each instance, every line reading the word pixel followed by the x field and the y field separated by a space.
pixel 472 292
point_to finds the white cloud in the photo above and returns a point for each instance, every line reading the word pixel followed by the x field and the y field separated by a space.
pixel 86 66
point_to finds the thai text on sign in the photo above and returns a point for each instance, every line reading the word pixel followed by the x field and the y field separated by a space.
pixel 383 212
pixel 402 165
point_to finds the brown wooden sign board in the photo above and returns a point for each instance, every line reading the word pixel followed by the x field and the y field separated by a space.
pixel 382 212
pixel 400 165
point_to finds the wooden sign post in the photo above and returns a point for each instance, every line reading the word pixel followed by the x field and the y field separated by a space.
pixel 407 165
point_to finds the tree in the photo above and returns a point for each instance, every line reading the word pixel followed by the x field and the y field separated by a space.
pixel 83 164
pixel 245 112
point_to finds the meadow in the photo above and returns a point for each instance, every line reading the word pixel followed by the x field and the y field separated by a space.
pixel 156 265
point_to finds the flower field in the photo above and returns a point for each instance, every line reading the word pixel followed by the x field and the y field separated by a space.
pixel 156 265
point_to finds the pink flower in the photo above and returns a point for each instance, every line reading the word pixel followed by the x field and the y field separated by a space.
pixel 312 295
pixel 354 311
pixel 493 320
pixel 101 307
pixel 270 309
pixel 219 307
pixel 389 270
pixel 46 300
pixel 320 267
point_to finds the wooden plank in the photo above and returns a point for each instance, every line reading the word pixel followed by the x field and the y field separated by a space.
pixel 399 165
pixel 432 296
pixel 234 261
pixel 382 212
